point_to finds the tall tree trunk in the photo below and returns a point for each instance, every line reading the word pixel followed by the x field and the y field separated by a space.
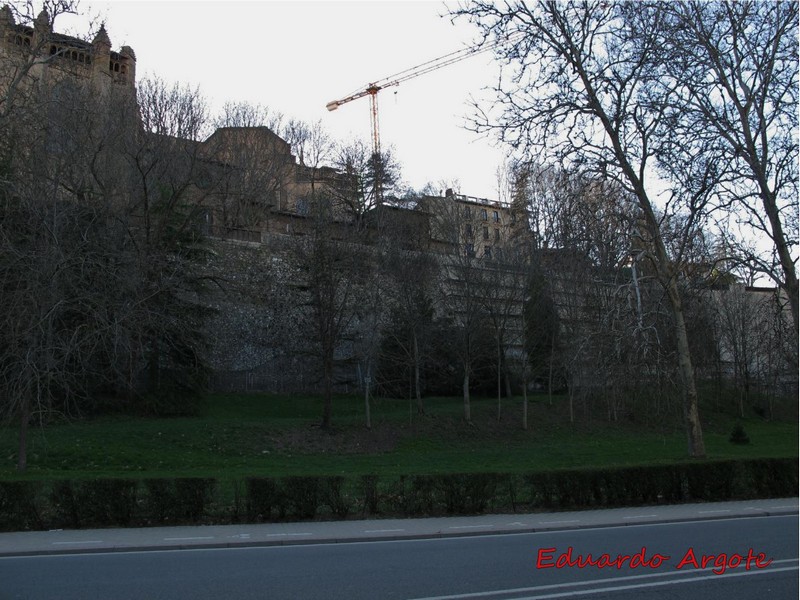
pixel 499 379
pixel 328 397
pixel 467 411
pixel 525 395
pixel 366 406
pixel 691 415
pixel 24 418
pixel 571 405
pixel 663 265
pixel 417 386
pixel 550 371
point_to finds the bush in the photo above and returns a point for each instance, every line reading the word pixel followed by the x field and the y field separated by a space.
pixel 18 507
pixel 64 505
pixel 420 497
pixel 738 436
pixel 467 493
pixel 262 496
pixel 369 492
pixel 109 502
pixel 300 496
pixel 192 495
pixel 94 502
pixel 182 500
pixel 334 495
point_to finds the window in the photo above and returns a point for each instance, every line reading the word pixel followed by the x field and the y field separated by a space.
pixel 496 217
pixel 467 212
pixel 487 252
pixel 468 230
pixel 484 216
pixel 470 250
pixel 496 235
pixel 486 233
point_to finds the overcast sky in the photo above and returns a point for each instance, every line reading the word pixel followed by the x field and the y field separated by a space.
pixel 295 57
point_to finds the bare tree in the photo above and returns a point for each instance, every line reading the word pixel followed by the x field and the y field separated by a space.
pixel 331 265
pixel 729 71
pixel 358 191
pixel 753 330
pixel 503 284
pixel 57 254
pixel 408 287
pixel 574 94
pixel 455 225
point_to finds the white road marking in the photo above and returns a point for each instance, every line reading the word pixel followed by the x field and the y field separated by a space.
pixel 428 540
pixel 286 534
pixel 786 506
pixel 80 542
pixel 556 522
pixel 620 588
pixel 182 539
pixel 469 526
pixel 709 512
pixel 640 517
pixel 606 581
pixel 517 523
pixel 382 530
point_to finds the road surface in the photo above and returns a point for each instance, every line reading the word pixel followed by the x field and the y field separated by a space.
pixel 745 557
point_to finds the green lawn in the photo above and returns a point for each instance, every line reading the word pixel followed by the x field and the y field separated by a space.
pixel 240 435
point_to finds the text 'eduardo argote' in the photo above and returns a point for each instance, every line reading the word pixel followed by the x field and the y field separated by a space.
pixel 547 559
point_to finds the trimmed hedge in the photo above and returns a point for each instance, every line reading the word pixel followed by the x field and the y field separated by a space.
pixel 93 503
pixel 18 506
pixel 128 502
pixel 177 500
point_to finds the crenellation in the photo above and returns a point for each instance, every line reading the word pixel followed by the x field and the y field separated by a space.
pixel 53 53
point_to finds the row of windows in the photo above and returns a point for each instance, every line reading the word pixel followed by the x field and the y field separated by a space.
pixel 468 232
pixel 470 251
pixel 83 58
pixel 484 214
pixel 75 55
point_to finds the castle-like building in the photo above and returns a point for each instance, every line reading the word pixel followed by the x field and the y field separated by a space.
pixel 254 196
pixel 49 57
pixel 270 192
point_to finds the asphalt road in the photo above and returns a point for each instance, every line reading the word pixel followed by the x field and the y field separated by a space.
pixel 487 567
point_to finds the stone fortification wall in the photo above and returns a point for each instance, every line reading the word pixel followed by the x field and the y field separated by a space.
pixel 256 342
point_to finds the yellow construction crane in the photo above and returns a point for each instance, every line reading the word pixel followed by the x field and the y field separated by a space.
pixel 372 89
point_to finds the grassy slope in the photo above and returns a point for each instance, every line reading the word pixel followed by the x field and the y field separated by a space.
pixel 276 435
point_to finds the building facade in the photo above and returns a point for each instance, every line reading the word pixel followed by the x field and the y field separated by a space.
pixel 46 57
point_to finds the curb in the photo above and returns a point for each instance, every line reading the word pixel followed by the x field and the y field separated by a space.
pixel 338 539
